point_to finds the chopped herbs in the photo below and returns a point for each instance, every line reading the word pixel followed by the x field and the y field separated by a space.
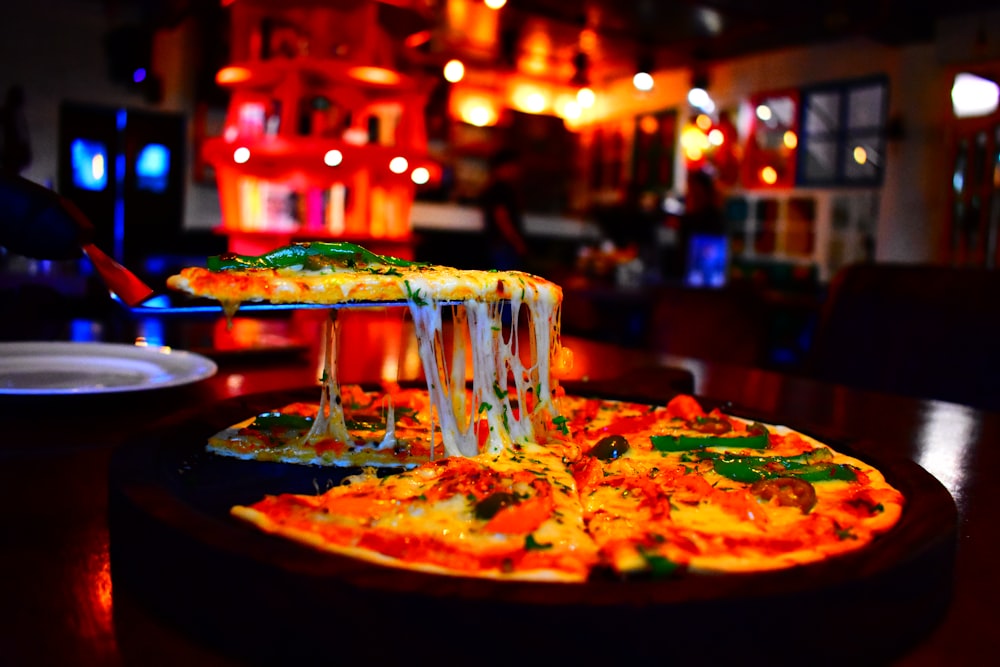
pixel 531 544
pixel 561 423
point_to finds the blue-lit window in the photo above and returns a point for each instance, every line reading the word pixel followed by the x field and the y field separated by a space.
pixel 90 164
pixel 152 168
pixel 843 132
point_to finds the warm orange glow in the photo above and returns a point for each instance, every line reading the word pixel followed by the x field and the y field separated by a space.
pixel 585 97
pixel 534 102
pixel 790 139
pixel 417 38
pixel 370 74
pixel 479 115
pixel 232 74
pixel 356 136
pixel 495 4
pixel 454 71
pixel 693 153
pixel 571 110
pixel 537 50
pixel 769 175
pixel 475 107
pixel 588 40
pixel 649 124
pixel 529 98
pixel 693 138
pixel 703 121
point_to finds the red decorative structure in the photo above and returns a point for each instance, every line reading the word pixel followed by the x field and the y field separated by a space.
pixel 324 137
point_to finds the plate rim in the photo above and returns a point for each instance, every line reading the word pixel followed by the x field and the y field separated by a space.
pixel 193 367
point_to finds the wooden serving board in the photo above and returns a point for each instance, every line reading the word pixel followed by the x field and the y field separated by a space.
pixel 264 599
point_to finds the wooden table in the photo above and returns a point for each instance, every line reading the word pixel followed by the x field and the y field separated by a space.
pixel 56 594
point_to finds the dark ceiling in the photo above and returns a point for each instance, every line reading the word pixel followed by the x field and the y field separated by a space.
pixel 682 30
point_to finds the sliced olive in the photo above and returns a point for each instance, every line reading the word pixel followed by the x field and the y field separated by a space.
pixel 609 447
pixel 493 503
pixel 786 492
pixel 711 425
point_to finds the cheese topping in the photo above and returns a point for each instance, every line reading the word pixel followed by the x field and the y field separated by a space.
pixel 342 273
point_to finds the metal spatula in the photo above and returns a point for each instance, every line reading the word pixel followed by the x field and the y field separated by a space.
pixel 38 222
pixel 123 283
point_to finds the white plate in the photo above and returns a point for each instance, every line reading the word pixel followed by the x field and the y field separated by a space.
pixel 96 368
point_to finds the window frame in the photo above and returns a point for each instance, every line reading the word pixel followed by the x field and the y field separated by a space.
pixel 843 136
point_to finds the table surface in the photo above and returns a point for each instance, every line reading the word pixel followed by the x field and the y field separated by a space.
pixel 56 594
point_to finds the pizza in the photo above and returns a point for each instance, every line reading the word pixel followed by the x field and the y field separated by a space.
pixel 615 487
pixel 492 470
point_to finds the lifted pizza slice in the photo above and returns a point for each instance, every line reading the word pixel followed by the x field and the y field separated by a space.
pixel 509 371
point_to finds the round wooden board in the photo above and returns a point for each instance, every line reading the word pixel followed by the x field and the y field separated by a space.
pixel 264 599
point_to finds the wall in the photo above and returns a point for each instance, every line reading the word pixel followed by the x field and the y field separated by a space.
pixel 912 206
pixel 53 47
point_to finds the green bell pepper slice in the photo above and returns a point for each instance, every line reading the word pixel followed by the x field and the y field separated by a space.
pixel 756 437
pixel 312 253
pixel 270 421
pixel 812 466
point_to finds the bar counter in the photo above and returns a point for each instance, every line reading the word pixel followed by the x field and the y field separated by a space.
pixel 60 606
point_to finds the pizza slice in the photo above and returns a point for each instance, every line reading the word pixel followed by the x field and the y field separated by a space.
pixel 512 367
pixel 511 515
pixel 385 428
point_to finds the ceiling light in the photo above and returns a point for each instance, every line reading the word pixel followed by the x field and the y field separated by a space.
pixel 454 70
pixel 973 95
pixel 398 165
pixel 372 74
pixel 420 175
pixel 333 157
pixel 643 81
pixel 495 4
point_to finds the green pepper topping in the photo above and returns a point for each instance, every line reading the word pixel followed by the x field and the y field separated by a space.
pixel 270 421
pixel 660 567
pixel 313 255
pixel 812 467
pixel 755 437
pixel 531 544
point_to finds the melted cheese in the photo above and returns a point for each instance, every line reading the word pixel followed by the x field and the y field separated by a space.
pixel 498 363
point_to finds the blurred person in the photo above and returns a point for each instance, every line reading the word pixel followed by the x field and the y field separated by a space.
pixel 702 217
pixel 503 219
pixel 15 143
pixel 35 222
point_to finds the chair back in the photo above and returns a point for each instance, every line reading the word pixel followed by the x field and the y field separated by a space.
pixel 918 330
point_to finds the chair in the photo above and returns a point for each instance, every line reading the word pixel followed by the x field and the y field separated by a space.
pixel 725 325
pixel 918 330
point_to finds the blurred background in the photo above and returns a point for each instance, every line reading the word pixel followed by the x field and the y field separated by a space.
pixel 698 176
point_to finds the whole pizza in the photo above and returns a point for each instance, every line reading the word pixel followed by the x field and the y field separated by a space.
pixel 492 470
